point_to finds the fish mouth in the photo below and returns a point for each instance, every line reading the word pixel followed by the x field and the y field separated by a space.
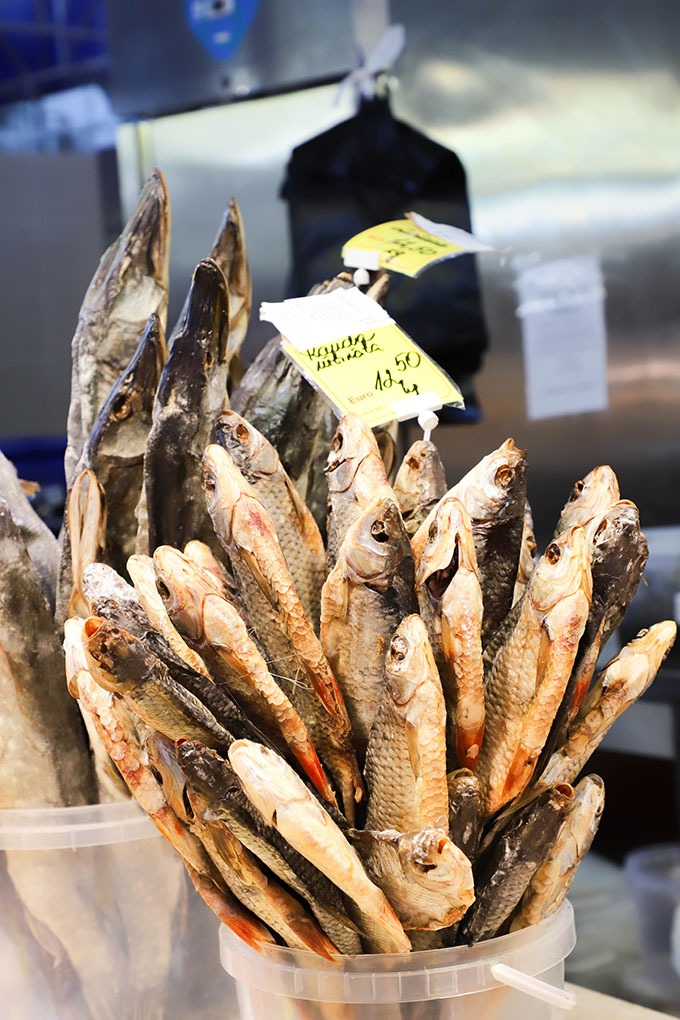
pixel 439 580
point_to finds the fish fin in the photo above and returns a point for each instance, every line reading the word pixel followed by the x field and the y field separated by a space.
pixel 308 525
pixel 311 935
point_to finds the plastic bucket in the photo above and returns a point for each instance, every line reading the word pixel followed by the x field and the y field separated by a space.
pixel 516 977
pixel 99 921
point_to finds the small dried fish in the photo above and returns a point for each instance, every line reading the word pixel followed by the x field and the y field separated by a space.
pixel 190 396
pixel 364 599
pixel 356 479
pixel 618 685
pixel 450 600
pixel 296 529
pixel 405 767
pixel 420 483
pixel 504 872
pixel 425 876
pixel 284 802
pixel 552 879
pixel 284 632
pixel 527 679
pixel 590 497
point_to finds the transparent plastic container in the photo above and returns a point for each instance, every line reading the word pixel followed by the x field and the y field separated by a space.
pixel 516 977
pixel 653 874
pixel 100 922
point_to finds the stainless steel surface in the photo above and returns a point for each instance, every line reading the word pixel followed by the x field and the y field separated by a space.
pixel 169 57
pixel 567 119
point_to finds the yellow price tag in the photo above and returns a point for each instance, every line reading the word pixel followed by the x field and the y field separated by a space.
pixel 408 246
pixel 380 374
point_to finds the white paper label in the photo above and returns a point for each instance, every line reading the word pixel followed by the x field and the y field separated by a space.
pixel 564 337
pixel 321 318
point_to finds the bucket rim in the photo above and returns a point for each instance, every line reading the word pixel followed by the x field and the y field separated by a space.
pixel 400 977
pixel 59 828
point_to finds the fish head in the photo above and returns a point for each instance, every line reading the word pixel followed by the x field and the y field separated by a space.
pixel 376 548
pixel 409 662
pixel 590 497
pixel 109 646
pixel 352 442
pixel 252 453
pixel 183 587
pixel 643 655
pixel 496 483
pixel 433 862
pixel 222 485
pixel 205 770
pixel 563 569
pixel 448 546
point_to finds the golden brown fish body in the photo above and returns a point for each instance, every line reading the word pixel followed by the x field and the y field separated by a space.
pixel 617 686
pixel 356 478
pixel 364 599
pixel 285 802
pixel 450 599
pixel 552 880
pixel 86 526
pixel 494 495
pixel 591 497
pixel 529 674
pixel 406 756
pixel 283 630
pixel 296 529
pixel 426 877
pixel 131 283
pixel 214 628
pixel 420 483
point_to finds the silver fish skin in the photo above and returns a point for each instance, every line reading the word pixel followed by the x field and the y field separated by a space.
pixel 504 872
pixel 34 680
pixel 211 777
pixel 405 768
pixel 191 395
pixel 420 483
pixel 296 529
pixel 364 599
pixel 131 282
pixel 41 544
pixel 115 447
pixel 553 878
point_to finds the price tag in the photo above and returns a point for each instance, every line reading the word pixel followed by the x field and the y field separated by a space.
pixel 408 246
pixel 362 361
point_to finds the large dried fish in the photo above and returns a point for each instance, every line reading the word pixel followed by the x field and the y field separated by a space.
pixel 420 483
pixel 131 283
pixel 284 632
pixel 190 396
pixel 528 677
pixel 36 702
pixel 40 543
pixel 356 479
pixel 284 802
pixel 364 599
pixel 296 529
pixel 451 603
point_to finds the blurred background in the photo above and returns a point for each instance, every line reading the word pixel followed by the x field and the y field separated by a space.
pixel 566 119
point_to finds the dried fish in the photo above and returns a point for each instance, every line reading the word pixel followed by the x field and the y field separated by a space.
pixel 364 599
pixel 420 483
pixel 527 554
pixel 591 497
pixel 465 810
pixel 83 541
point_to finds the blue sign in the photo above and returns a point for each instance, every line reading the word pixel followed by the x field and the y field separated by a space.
pixel 220 25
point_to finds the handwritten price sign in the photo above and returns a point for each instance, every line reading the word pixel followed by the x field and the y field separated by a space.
pixel 369 373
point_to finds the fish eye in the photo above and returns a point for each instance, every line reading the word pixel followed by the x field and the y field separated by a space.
pixel 398 649
pixel 208 358
pixel 241 433
pixel 553 552
pixel 121 407
pixel 432 533
pixel 209 484
pixel 379 531
pixel 503 476
pixel 336 445
pixel 641 633
pixel 576 491
pixel 163 590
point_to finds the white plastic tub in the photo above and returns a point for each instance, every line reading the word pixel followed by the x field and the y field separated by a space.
pixel 99 921
pixel 463 983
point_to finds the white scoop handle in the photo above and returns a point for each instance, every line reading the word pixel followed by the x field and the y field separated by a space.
pixel 533 986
